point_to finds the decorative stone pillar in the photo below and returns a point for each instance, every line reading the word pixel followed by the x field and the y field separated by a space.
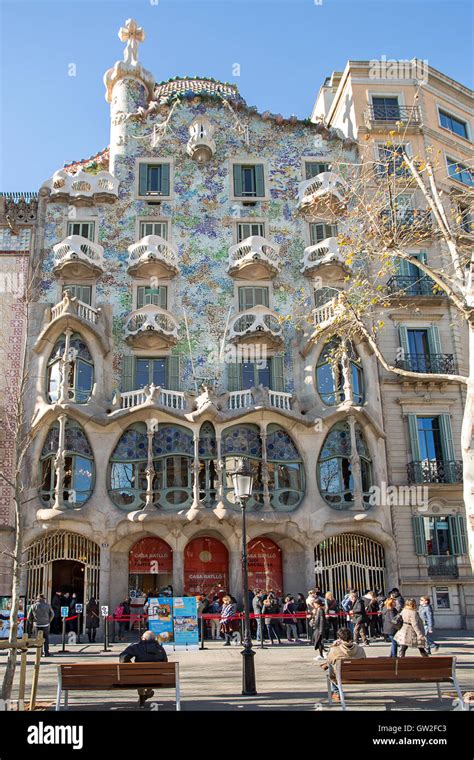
pixel 309 573
pixel 346 374
pixel 220 471
pixel 235 570
pixel 65 365
pixel 59 465
pixel 267 507
pixel 195 469
pixel 150 470
pixel 104 578
pixel 178 572
pixel 355 466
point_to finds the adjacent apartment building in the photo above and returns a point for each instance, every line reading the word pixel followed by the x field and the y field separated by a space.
pixel 171 333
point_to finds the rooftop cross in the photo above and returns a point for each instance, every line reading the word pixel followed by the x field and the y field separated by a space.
pixel 132 34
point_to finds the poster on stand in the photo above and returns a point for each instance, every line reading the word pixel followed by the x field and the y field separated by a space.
pixel 160 618
pixel 186 632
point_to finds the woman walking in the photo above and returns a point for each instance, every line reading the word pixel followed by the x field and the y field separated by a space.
pixel 317 623
pixel 270 606
pixel 390 628
pixel 331 609
pixel 228 626
pixel 92 619
pixel 411 633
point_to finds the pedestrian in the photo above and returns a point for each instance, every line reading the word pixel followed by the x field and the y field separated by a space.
pixel 40 615
pixel 359 618
pixel 411 634
pixel 227 624
pixel 119 613
pixel 399 600
pixel 331 612
pixel 344 648
pixel 317 624
pixel 257 606
pixel 56 604
pixel 373 610
pixel 146 650
pixel 127 605
pixel 300 621
pixel 425 612
pixel 92 619
pixel 289 608
pixel 215 609
pixel 390 627
pixel 270 606
pixel 347 605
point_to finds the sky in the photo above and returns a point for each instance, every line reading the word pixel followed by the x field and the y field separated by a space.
pixel 285 49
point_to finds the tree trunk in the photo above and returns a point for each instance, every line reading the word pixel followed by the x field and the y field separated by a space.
pixel 17 567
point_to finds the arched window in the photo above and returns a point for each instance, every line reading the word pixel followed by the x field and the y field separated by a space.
pixel 78 473
pixel 335 474
pixel 81 370
pixel 243 441
pixel 173 454
pixel 285 469
pixel 127 468
pixel 329 373
pixel 207 464
pixel 171 460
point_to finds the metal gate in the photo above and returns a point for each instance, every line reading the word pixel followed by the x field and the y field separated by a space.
pixel 349 561
pixel 56 546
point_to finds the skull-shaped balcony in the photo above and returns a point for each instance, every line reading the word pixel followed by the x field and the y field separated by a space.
pixel 82 188
pixel 77 257
pixel 151 327
pixel 201 146
pixel 152 256
pixel 258 325
pixel 323 194
pixel 324 258
pixel 254 258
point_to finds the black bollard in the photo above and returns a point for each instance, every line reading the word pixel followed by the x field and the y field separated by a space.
pixel 63 649
pixel 262 633
pixel 201 628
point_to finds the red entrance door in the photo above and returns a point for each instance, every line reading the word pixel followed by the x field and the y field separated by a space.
pixel 206 567
pixel 265 565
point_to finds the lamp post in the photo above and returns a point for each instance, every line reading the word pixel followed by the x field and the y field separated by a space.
pixel 242 479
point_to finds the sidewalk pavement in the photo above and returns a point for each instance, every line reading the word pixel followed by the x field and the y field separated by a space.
pixel 287 679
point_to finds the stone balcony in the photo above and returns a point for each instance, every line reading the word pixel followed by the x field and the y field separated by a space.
pixel 151 327
pixel 152 256
pixel 151 394
pixel 77 315
pixel 254 258
pixel 325 255
pixel 322 194
pixel 77 257
pixel 256 325
pixel 250 398
pixel 82 188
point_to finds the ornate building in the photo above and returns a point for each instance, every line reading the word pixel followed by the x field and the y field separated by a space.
pixel 171 335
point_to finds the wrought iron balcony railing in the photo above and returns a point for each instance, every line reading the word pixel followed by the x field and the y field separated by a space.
pixel 442 566
pixel 436 363
pixel 412 285
pixel 434 471
pixel 389 114
pixel 407 219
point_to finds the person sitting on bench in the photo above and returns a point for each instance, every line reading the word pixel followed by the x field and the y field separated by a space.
pixel 344 648
pixel 146 650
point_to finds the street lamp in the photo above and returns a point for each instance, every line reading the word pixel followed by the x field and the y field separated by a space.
pixel 242 479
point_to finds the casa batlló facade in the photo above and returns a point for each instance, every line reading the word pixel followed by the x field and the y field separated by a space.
pixel 182 279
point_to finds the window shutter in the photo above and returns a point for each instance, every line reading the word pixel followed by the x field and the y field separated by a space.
pixel 259 181
pixel 413 432
pixel 140 297
pixel 419 534
pixel 127 382
pixel 143 179
pixel 434 342
pixel 237 180
pixel 234 377
pixel 403 335
pixel 422 256
pixel 163 291
pixel 277 373
pixel 446 437
pixel 404 267
pixel 173 372
pixel 165 179
pixel 457 535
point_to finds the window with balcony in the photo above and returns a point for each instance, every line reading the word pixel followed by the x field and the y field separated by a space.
pixel 253 296
pixel 77 469
pixel 322 296
pixel 85 229
pixel 319 231
pixel 329 374
pixel 249 180
pixel 154 228
pixel 313 168
pixel 460 172
pixel 335 475
pixel 248 229
pixel 421 351
pixel 453 123
pixel 81 292
pixel 154 180
pixel 392 161
pixel 432 450
pixel 267 372
pixel 156 296
pixel 440 539
pixel 137 372
pixel 385 108
pixel 80 365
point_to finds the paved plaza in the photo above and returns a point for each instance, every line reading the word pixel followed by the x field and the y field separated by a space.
pixel 287 679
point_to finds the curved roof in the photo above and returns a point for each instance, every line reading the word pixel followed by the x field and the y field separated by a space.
pixel 196 85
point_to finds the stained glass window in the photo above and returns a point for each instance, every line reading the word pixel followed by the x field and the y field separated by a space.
pixel 78 470
pixel 243 440
pixel 335 475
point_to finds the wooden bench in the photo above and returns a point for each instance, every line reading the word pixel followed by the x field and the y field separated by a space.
pixel 395 670
pixel 94 676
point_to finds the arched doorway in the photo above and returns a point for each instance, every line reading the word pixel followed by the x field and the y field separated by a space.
pixel 63 561
pixel 150 567
pixel 349 561
pixel 265 565
pixel 206 566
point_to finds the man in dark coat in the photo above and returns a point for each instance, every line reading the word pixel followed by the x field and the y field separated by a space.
pixel 41 614
pixel 146 650
pixel 359 618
